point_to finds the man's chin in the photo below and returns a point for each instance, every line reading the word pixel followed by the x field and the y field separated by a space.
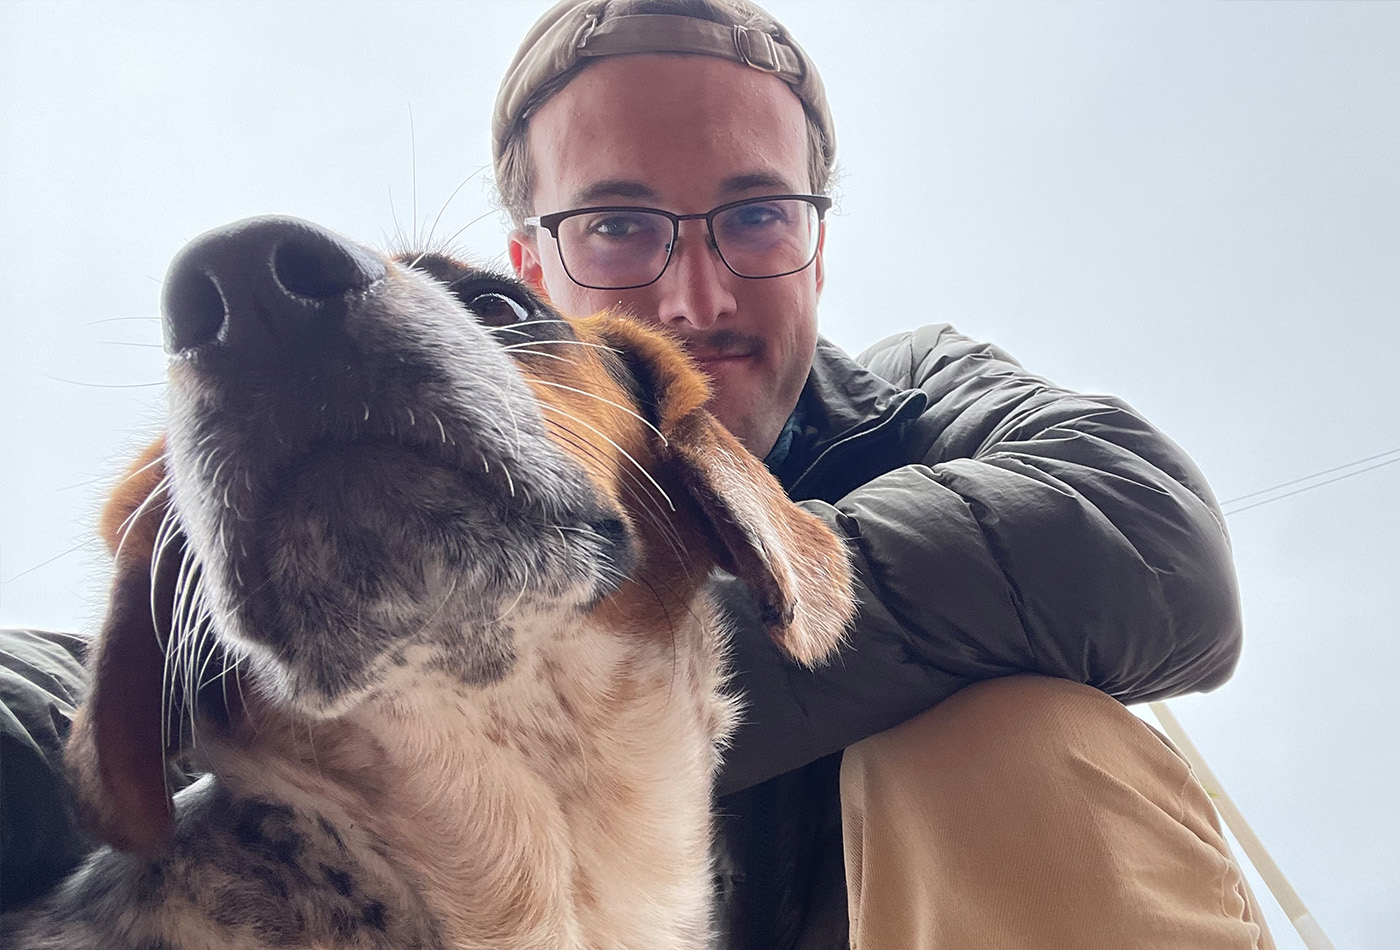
pixel 748 421
pixel 723 367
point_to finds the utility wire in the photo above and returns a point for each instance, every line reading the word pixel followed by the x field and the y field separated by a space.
pixel 1299 491
pixel 1308 478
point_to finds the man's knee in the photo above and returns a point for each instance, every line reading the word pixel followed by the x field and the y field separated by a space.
pixel 1012 726
pixel 1033 746
pixel 1029 811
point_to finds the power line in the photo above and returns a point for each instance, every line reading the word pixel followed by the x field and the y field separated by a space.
pixel 1299 491
pixel 1308 478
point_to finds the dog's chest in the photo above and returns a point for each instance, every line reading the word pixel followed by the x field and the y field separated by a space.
pixel 567 806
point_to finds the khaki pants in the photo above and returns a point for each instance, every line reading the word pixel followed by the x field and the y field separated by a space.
pixel 1035 813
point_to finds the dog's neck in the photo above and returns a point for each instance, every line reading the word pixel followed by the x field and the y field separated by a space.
pixel 523 808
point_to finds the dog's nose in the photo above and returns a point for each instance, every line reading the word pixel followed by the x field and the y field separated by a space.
pixel 268 282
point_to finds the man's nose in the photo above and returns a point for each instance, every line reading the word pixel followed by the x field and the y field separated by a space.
pixel 695 288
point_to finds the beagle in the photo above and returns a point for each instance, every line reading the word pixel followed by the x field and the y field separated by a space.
pixel 417 576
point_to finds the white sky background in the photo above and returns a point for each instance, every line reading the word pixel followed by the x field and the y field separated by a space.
pixel 1195 207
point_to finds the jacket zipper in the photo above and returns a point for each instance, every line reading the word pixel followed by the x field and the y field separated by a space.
pixel 894 416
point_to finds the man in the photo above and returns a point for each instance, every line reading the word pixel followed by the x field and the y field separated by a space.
pixel 999 527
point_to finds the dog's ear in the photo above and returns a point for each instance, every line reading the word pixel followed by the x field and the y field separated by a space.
pixel 791 560
pixel 115 753
pixel 787 556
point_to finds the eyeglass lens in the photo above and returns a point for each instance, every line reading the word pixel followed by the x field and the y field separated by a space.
pixel 619 249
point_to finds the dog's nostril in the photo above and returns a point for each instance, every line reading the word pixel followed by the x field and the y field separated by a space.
pixel 317 269
pixel 195 311
pixel 262 285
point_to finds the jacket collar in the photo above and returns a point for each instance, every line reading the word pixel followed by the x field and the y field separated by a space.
pixel 842 404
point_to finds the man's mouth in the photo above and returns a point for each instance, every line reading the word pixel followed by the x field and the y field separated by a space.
pixel 705 359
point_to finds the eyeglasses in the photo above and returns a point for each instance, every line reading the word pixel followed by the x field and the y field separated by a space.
pixel 622 248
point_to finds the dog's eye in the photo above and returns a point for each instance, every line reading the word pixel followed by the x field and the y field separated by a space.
pixel 497 309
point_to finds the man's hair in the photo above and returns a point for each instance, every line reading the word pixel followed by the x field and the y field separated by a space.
pixel 515 171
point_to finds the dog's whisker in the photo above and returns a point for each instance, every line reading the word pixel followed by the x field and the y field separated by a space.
pixel 247 710
pixel 144 346
pixel 311 746
pixel 634 488
pixel 47 561
pixel 413 165
pixel 427 241
pixel 190 634
pixel 526 347
pixel 143 469
pixel 393 215
pixel 229 671
pixel 206 646
pixel 134 473
pixel 608 439
pixel 177 646
pixel 93 323
pixel 75 382
pixel 164 535
pixel 521 325
pixel 481 217
pixel 616 405
pixel 442 431
pixel 545 356
pixel 156 497
pixel 437 611
pixel 219 471
pixel 524 584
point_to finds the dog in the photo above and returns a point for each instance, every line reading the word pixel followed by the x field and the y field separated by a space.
pixel 417 575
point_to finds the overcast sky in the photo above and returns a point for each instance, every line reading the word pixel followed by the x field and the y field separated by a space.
pixel 1194 207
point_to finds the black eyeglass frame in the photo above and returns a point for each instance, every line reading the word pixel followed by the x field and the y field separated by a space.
pixel 551 222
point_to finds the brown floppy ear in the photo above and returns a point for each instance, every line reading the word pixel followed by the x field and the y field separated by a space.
pixel 791 560
pixel 789 557
pixel 115 753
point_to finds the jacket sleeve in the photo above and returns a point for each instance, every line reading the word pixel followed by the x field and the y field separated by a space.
pixel 1040 531
pixel 41 682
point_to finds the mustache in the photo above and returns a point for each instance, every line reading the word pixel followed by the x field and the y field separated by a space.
pixel 722 344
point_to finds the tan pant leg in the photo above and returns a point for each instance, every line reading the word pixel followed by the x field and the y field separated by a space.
pixel 1036 813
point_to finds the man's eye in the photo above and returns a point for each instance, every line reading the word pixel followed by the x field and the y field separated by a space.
pixel 757 216
pixel 497 309
pixel 621 225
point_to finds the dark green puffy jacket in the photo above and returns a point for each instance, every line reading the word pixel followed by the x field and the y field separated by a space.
pixel 998 525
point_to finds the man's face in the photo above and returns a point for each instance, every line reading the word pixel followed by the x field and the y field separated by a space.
pixel 685 134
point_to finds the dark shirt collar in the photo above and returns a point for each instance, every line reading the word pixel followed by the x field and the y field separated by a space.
pixel 841 400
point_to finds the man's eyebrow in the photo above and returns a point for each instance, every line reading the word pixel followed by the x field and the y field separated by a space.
pixel 768 181
pixel 600 191
pixel 627 189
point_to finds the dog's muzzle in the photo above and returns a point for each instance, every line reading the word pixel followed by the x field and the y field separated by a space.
pixel 359 464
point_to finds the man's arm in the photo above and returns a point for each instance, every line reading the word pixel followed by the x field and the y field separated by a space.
pixel 41 682
pixel 1035 530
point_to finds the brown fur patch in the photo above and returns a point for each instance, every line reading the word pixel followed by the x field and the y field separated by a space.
pixel 115 753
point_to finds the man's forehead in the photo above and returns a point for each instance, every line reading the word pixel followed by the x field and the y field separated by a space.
pixel 638 127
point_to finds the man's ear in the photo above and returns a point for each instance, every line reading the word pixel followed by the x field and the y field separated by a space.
pixel 818 263
pixel 524 249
